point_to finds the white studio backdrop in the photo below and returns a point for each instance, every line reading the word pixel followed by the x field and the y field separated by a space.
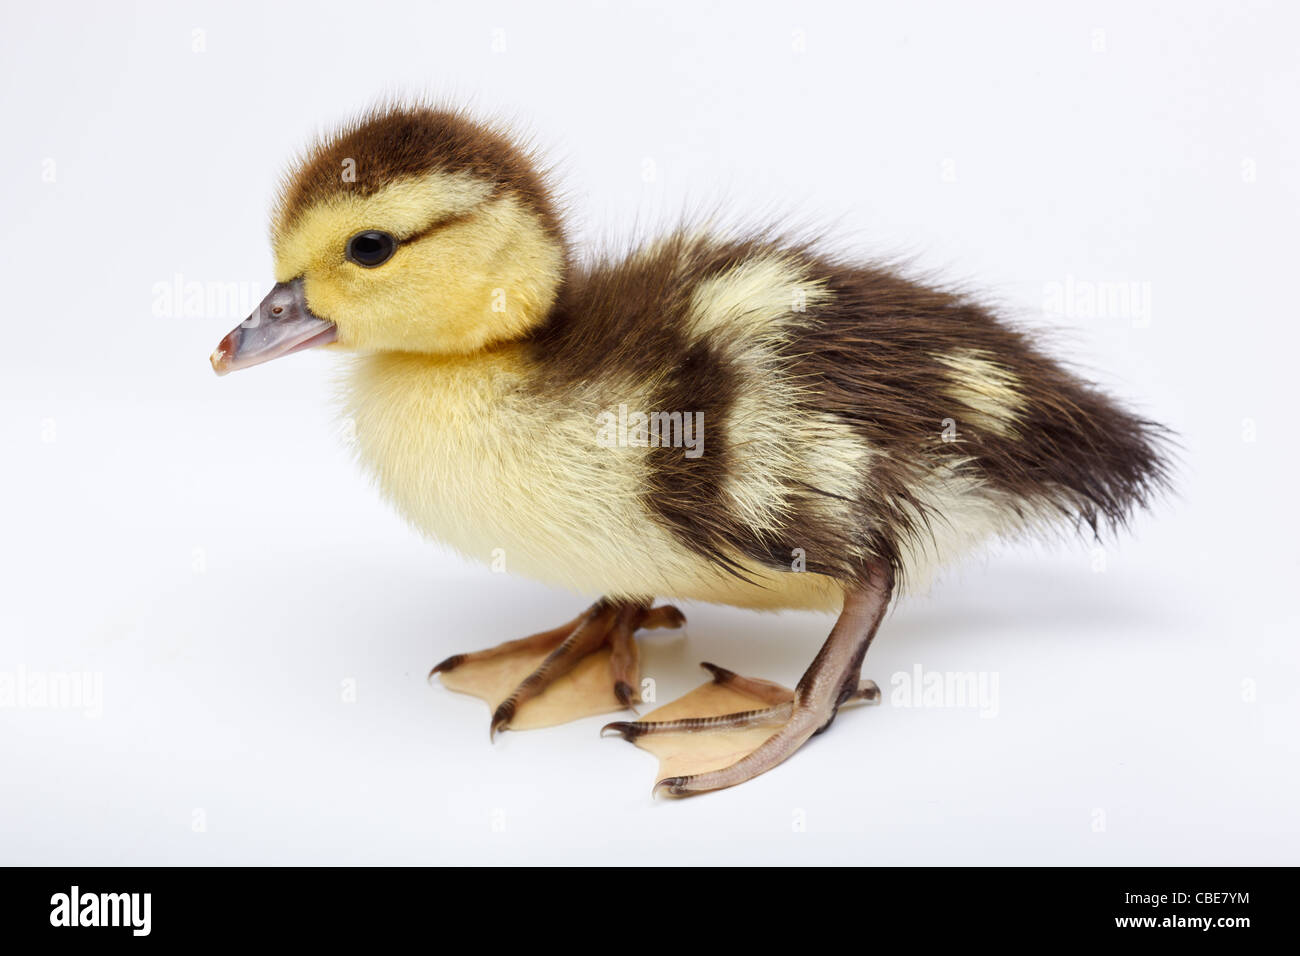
pixel 257 625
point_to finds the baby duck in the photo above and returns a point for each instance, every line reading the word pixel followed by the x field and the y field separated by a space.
pixel 741 420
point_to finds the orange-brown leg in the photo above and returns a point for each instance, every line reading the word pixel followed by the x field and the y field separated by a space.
pixel 625 656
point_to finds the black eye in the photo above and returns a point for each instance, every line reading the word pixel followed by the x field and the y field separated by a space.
pixel 371 248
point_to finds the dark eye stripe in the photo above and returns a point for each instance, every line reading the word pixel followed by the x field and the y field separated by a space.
pixel 436 225
pixel 374 247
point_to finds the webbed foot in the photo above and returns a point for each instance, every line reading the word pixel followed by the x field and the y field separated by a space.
pixel 734 728
pixel 588 666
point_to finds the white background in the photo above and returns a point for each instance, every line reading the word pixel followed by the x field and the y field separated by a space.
pixel 209 548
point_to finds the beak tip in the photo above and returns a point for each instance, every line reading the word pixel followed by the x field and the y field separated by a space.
pixel 219 363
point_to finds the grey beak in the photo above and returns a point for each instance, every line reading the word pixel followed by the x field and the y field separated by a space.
pixel 282 324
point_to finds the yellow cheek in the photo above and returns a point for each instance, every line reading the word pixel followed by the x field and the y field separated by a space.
pixel 487 280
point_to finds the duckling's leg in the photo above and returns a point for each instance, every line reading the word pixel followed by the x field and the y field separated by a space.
pixel 625 656
pixel 587 666
pixel 716 737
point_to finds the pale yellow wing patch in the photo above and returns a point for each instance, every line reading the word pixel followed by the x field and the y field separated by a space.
pixel 990 391
pixel 585 691
pixel 683 754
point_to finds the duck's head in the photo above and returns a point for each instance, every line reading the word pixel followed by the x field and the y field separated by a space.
pixel 415 229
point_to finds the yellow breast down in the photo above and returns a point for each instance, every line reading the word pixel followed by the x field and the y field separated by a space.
pixel 473 458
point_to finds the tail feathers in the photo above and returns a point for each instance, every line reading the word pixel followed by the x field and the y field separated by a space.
pixel 1090 458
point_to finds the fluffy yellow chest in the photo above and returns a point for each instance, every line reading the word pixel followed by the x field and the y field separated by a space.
pixel 476 459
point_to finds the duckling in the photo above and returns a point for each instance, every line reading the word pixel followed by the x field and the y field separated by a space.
pixel 747 420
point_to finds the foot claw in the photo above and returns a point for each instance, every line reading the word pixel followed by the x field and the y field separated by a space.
pixel 450 664
pixel 623 691
pixel 869 691
pixel 664 616
pixel 621 728
pixel 673 786
pixel 720 674
pixel 501 718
